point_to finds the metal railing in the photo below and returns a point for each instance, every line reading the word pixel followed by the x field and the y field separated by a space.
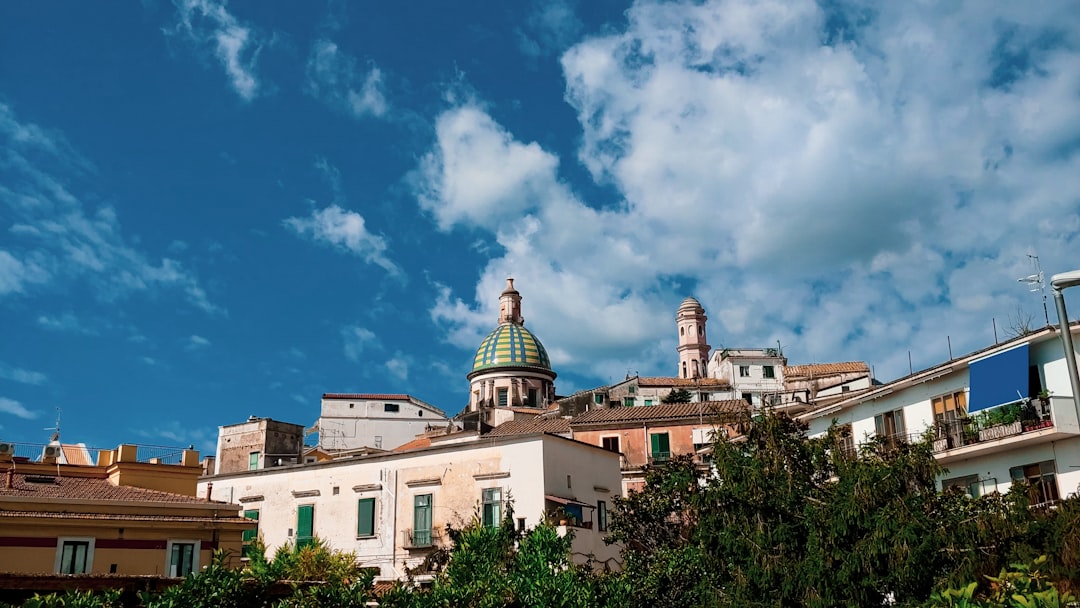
pixel 34 452
pixel 419 539
pixel 967 431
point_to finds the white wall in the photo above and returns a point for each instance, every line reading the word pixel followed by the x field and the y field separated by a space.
pixel 454 475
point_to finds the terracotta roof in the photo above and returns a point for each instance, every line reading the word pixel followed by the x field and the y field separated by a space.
pixel 536 425
pixel 684 382
pixel 415 444
pixel 375 396
pixel 825 369
pixel 642 413
pixel 83 488
pixel 535 411
pixel 126 517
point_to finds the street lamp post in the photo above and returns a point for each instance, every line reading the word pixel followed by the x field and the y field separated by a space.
pixel 1059 283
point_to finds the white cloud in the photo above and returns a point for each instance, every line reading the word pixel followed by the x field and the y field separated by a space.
pixel 24 376
pixel 477 174
pixel 398 366
pixel 347 231
pixel 853 184
pixel 207 24
pixel 10 406
pixel 357 340
pixel 54 240
pixel 333 77
pixel 197 342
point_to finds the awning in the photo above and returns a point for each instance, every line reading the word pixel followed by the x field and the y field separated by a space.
pixel 567 501
pixel 999 379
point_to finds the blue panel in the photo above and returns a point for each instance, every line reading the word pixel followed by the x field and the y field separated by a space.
pixel 999 379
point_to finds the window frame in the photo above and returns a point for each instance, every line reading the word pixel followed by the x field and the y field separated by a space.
pixel 360 517
pixel 391 408
pixel 604 440
pixel 1043 486
pixel 658 455
pixel 768 372
pixel 744 371
pixel 88 558
pixel 170 548
pixel 427 538
pixel 253 460
pixel 601 516
pixel 491 507
pixel 303 540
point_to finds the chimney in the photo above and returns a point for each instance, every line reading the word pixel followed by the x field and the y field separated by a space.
pixel 10 478
pixel 209 489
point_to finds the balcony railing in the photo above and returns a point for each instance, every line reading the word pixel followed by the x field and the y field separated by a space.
pixel 420 539
pixel 969 431
pixel 659 457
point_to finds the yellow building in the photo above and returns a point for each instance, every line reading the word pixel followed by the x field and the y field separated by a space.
pixel 119 516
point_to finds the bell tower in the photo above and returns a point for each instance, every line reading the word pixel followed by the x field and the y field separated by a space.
pixel 693 342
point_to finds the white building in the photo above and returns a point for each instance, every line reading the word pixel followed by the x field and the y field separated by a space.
pixel 1001 414
pixel 756 375
pixel 393 508
pixel 349 421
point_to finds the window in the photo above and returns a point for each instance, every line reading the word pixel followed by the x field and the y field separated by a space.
pixel 684 369
pixel 890 425
pixel 631 389
pixel 391 407
pixel 744 371
pixel 970 484
pixel 74 555
pixel 628 401
pixel 491 509
pixel 253 461
pixel 365 517
pixel 598 398
pixel 648 402
pixel 682 331
pixel 503 397
pixel 845 389
pixel 768 371
pixel 1040 477
pixel 183 556
pixel 534 398
pixel 701 330
pixel 601 516
pixel 305 525
pixel 948 412
pixel 610 444
pixel 748 397
pixel 421 536
pixel 249 536
pixel 661 446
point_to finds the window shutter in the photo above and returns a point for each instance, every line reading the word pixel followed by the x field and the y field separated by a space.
pixel 365 517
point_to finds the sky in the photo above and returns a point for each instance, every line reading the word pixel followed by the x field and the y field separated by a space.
pixel 213 210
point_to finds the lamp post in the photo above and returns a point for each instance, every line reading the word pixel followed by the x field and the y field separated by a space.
pixel 1059 283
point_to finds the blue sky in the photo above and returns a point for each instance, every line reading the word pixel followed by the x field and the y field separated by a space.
pixel 213 210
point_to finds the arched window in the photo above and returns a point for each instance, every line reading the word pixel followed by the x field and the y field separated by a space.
pixel 697 372
pixel 684 369
pixel 682 331
pixel 701 330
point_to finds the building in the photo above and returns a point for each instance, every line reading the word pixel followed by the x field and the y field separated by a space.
pixel 693 343
pixel 824 383
pixel 756 375
pixel 350 421
pixel 123 515
pixel 511 368
pixel 649 435
pixel 393 508
pixel 256 444
pixel 638 390
pixel 1003 414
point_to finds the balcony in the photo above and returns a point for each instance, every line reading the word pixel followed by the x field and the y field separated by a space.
pixel 420 539
pixel 1015 425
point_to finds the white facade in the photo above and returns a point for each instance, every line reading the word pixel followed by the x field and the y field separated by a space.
pixel 349 421
pixel 539 472
pixel 983 461
pixel 756 375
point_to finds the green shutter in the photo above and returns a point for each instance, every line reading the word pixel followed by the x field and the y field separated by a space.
pixel 305 524
pixel 661 446
pixel 422 520
pixel 365 517
pixel 251 535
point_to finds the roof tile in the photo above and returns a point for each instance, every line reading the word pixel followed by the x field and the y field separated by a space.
pixel 536 425
pixel 825 369
pixel 84 488
pixel 640 413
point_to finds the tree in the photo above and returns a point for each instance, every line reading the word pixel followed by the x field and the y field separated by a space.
pixel 676 396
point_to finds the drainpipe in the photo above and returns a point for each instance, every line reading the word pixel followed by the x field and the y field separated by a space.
pixel 1059 283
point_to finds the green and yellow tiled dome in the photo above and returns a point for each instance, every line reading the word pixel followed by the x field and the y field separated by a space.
pixel 510 345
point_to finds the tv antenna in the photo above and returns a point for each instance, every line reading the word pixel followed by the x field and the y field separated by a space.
pixel 1036 284
pixel 55 429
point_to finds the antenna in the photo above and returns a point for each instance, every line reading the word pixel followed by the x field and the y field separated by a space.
pixel 1036 284
pixel 55 429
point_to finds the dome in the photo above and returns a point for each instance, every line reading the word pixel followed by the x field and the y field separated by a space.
pixel 510 345
pixel 690 303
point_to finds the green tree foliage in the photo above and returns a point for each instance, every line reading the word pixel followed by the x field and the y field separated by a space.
pixel 1019 586
pixel 778 519
pixel 676 396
